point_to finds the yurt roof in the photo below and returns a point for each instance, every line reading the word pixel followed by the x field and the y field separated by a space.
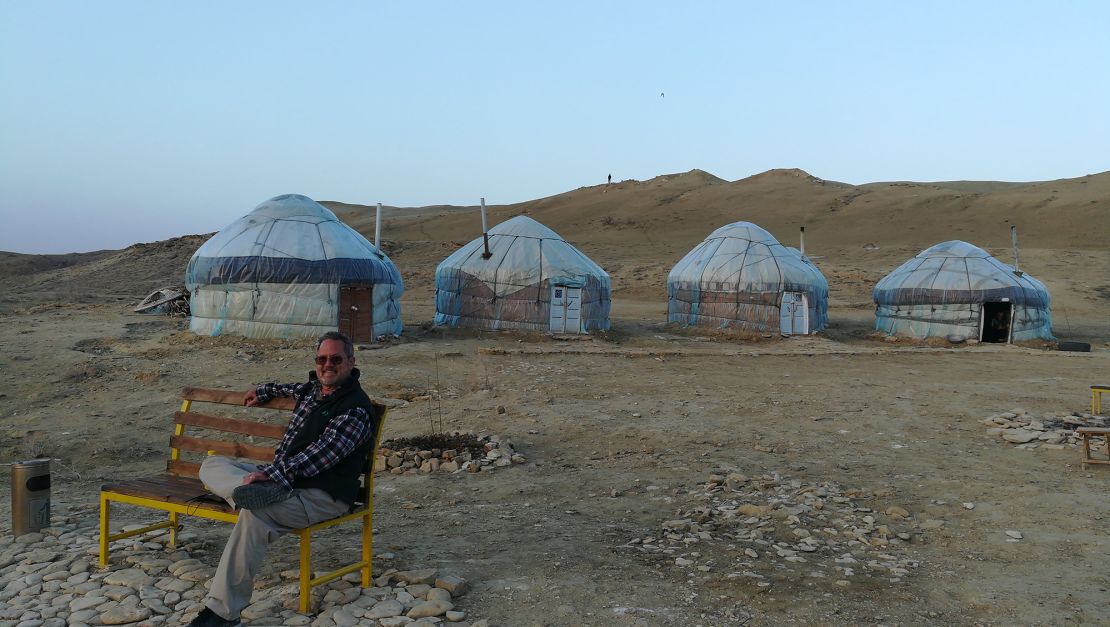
pixel 743 256
pixel 523 252
pixel 956 272
pixel 289 239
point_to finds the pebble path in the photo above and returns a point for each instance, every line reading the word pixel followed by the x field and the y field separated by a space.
pixel 50 578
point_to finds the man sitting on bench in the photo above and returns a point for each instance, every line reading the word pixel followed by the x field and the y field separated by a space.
pixel 314 475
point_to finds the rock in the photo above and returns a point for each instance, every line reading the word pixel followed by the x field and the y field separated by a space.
pixel 1019 436
pixel 735 481
pixel 451 466
pixel 427 575
pixel 117 593
pixel 897 513
pixel 932 524
pixel 262 609
pixel 130 577
pixel 425 609
pixel 156 606
pixel 181 565
pixel 501 409
pixel 1016 535
pixel 169 584
pixel 84 616
pixel 385 609
pixel 123 615
pixel 457 586
pixel 748 509
pixel 200 574
pixel 395 621
pixel 969 505
pixel 455 616
pixel 86 603
pixel 682 561
pixel 438 594
pixel 343 618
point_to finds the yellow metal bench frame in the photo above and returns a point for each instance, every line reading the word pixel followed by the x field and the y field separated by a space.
pixel 1096 397
pixel 364 512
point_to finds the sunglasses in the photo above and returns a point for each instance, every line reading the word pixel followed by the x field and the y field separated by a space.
pixel 334 360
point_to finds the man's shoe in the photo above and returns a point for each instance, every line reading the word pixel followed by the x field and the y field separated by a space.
pixel 259 495
pixel 208 618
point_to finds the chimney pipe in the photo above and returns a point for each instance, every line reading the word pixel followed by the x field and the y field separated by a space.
pixel 802 241
pixel 1013 240
pixel 485 235
pixel 378 228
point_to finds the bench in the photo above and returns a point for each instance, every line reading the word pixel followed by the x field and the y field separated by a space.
pixel 178 490
pixel 1086 433
pixel 1096 397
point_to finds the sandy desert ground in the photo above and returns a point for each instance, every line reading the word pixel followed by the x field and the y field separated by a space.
pixel 623 430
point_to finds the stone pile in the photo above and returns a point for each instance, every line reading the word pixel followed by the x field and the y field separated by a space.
pixel 486 453
pixel 50 579
pixel 1050 431
pixel 768 528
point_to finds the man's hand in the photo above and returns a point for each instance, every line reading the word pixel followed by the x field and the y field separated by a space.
pixel 255 476
pixel 251 399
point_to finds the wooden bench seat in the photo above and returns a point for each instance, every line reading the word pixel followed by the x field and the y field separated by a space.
pixel 172 489
pixel 178 490
pixel 1086 433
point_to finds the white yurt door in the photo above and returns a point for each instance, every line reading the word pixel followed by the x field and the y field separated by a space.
pixel 566 309
pixel 794 315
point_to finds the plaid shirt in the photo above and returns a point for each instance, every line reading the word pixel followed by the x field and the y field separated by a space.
pixel 343 434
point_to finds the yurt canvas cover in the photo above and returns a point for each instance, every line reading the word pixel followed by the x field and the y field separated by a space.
pixel 942 291
pixel 739 278
pixel 515 287
pixel 283 269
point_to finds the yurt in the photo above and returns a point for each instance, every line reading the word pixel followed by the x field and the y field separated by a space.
pixel 531 279
pixel 741 277
pixel 958 291
pixel 290 268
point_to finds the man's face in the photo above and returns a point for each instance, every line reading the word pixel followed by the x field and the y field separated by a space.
pixel 332 373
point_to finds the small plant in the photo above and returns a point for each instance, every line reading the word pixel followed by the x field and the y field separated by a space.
pixel 37 444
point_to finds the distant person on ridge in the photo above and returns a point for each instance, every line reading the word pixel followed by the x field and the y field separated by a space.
pixel 610 180
pixel 313 478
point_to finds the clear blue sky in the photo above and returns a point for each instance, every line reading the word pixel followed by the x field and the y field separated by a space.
pixel 123 122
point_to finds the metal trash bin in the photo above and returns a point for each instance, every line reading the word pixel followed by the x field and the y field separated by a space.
pixel 30 496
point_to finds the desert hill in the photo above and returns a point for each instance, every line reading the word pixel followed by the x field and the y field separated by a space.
pixel 637 230
pixel 121 276
pixel 674 212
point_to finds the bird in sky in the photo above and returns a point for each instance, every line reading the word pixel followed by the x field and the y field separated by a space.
pixel 661 94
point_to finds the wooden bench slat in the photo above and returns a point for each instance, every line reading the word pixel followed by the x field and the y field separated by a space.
pixel 223 447
pixel 232 397
pixel 230 425
pixel 183 468
pixel 1093 430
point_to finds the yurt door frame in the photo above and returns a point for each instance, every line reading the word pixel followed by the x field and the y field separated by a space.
pixel 987 312
pixel 356 312
pixel 566 309
pixel 794 314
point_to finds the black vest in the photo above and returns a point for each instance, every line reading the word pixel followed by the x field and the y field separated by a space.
pixel 341 480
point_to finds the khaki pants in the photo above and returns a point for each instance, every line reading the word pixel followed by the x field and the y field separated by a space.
pixel 246 548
